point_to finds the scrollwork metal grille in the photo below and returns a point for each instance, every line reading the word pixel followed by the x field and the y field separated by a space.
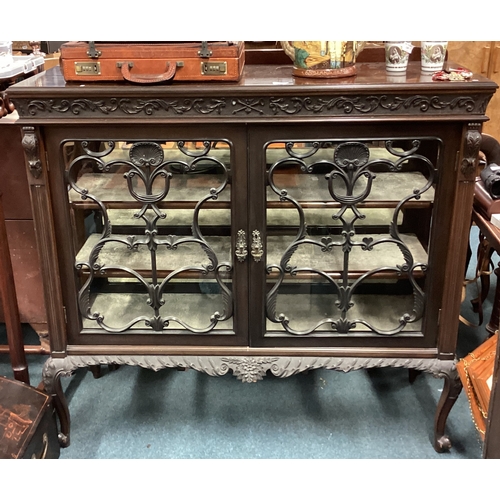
pixel 145 169
pixel 351 168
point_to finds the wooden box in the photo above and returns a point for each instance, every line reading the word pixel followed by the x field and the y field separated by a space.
pixel 27 422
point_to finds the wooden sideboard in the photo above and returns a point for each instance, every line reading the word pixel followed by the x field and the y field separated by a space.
pixel 19 219
pixel 276 224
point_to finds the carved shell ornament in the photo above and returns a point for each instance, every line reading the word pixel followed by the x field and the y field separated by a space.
pixel 146 154
pixel 351 154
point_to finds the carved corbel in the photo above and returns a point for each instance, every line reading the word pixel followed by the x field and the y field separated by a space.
pixel 32 151
pixel 471 150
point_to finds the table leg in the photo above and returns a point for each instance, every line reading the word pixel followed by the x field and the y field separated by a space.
pixel 10 307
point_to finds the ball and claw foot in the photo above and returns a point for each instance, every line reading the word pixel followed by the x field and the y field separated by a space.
pixel 442 444
pixel 63 440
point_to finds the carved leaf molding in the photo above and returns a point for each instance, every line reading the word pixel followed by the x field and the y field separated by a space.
pixel 127 106
pixel 248 369
pixel 336 105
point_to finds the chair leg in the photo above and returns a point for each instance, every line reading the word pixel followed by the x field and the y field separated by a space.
pixel 484 253
pixel 492 325
pixel 95 370
pixel 10 308
pixel 412 375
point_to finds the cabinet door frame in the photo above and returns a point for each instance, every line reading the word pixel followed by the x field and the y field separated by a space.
pixel 236 136
pixel 259 135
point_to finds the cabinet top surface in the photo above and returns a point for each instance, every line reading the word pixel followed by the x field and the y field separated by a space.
pixel 369 76
pixel 372 91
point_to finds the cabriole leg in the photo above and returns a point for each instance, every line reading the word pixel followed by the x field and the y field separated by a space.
pixel 52 372
pixel 451 391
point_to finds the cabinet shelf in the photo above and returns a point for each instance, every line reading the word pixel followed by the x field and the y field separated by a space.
pixel 195 309
pixel 187 190
pixel 381 311
pixel 306 256
pixel 191 254
pixel 387 190
pixel 303 311
pixel 310 256
pixel 217 221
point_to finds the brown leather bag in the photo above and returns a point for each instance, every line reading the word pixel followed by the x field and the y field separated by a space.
pixel 152 62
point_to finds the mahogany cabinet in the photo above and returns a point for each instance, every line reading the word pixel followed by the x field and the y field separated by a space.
pixel 275 224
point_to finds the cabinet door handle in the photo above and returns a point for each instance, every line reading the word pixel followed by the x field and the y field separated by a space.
pixel 256 248
pixel 241 246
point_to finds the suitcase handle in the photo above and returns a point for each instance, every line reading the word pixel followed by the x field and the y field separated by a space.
pixel 154 78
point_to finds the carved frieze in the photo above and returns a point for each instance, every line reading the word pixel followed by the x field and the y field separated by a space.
pixel 338 105
pixel 124 106
pixel 246 368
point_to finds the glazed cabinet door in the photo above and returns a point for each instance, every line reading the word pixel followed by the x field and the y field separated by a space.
pixel 341 237
pixel 154 255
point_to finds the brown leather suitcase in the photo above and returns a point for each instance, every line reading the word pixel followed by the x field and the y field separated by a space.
pixel 27 422
pixel 152 62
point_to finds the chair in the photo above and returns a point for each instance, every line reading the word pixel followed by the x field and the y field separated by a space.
pixel 489 241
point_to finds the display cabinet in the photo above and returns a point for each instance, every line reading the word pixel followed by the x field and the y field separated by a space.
pixel 275 224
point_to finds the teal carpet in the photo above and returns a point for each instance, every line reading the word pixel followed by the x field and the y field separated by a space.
pixel 136 413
